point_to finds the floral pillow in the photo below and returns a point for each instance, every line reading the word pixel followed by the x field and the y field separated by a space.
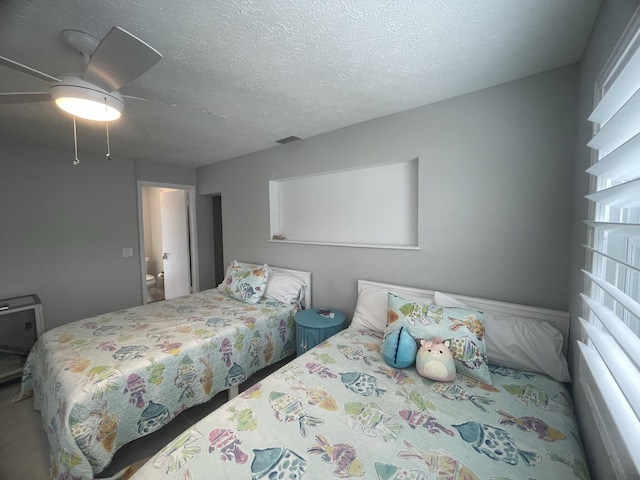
pixel 246 284
pixel 463 327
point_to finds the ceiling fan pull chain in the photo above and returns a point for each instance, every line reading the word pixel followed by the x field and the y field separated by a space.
pixel 108 143
pixel 75 142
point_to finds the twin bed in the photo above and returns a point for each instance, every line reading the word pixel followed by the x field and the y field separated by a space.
pixel 337 411
pixel 341 411
pixel 104 381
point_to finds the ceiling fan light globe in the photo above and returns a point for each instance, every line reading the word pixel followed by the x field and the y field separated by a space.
pixel 85 100
pixel 88 109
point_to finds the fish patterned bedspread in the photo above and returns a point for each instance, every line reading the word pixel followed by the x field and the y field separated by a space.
pixel 105 381
pixel 340 411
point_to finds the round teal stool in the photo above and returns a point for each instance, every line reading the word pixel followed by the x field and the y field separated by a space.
pixel 315 325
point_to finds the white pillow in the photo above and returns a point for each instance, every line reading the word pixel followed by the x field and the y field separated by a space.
pixel 371 307
pixel 284 287
pixel 518 342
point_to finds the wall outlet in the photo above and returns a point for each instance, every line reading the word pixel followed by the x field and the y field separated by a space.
pixel 127 252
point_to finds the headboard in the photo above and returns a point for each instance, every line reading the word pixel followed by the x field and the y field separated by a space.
pixel 559 319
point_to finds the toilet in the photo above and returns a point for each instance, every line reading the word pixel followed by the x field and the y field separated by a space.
pixel 151 281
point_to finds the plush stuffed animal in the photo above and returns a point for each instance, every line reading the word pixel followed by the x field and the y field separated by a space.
pixel 399 349
pixel 435 361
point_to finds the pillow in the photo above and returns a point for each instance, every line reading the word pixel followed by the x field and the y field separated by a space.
pixel 227 273
pixel 521 343
pixel 371 307
pixel 461 326
pixel 244 284
pixel 284 287
pixel 445 300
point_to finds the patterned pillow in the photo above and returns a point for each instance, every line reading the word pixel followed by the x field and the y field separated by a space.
pixel 463 327
pixel 244 284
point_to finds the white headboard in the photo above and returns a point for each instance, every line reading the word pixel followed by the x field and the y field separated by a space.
pixel 560 320
pixel 304 277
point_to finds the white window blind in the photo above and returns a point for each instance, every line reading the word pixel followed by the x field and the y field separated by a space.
pixel 612 275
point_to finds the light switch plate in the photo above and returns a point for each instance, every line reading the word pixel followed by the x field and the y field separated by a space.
pixel 127 252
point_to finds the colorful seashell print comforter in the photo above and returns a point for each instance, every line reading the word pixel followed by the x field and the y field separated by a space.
pixel 340 411
pixel 107 380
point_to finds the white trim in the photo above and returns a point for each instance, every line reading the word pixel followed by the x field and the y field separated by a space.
pixel 626 423
pixel 356 245
pixel 627 45
pixel 193 232
pixel 601 425
pixel 618 363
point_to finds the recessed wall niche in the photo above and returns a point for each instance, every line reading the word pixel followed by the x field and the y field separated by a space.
pixel 374 206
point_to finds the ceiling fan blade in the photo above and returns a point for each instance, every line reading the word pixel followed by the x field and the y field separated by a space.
pixel 28 70
pixel 156 107
pixel 163 120
pixel 131 127
pixel 119 59
pixel 24 97
pixel 122 127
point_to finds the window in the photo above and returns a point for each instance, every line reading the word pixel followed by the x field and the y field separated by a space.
pixel 612 287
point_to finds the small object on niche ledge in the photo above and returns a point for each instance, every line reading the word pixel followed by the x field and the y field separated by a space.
pixel 278 237
pixel 326 313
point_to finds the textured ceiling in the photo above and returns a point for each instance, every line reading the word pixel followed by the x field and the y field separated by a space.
pixel 275 68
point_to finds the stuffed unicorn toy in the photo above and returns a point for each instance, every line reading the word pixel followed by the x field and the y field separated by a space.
pixel 435 361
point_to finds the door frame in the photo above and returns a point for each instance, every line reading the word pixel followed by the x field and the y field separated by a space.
pixel 193 233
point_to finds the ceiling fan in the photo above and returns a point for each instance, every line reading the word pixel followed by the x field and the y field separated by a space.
pixel 110 63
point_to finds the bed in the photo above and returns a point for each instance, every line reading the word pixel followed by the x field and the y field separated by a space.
pixel 104 381
pixel 341 411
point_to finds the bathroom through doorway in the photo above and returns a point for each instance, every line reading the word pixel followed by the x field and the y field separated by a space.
pixel 167 240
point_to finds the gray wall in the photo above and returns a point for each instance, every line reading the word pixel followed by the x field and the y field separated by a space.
pixel 612 20
pixel 63 228
pixel 495 181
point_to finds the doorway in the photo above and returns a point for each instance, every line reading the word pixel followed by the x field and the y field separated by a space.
pixel 218 255
pixel 167 240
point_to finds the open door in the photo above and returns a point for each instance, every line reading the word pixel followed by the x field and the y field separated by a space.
pixel 175 244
